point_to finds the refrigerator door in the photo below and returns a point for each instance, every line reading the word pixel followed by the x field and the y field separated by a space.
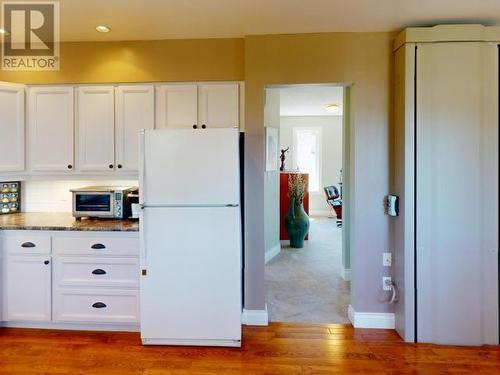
pixel 190 167
pixel 191 293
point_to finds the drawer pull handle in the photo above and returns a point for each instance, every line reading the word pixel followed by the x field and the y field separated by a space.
pixel 99 272
pixel 28 244
pixel 98 246
pixel 99 305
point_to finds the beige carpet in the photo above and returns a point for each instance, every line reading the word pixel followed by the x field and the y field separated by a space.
pixel 304 285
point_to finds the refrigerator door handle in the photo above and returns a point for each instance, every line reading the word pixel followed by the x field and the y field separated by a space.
pixel 142 243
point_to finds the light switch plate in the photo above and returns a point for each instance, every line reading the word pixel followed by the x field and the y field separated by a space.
pixel 387 259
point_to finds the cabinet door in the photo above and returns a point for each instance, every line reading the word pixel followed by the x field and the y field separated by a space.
pixel 219 105
pixel 134 111
pixel 95 128
pixel 51 128
pixel 27 289
pixel 177 106
pixel 11 127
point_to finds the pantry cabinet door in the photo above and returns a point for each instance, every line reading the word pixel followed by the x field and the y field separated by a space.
pixel 11 127
pixel 50 132
pixel 219 105
pixel 177 106
pixel 27 290
pixel 134 111
pixel 95 128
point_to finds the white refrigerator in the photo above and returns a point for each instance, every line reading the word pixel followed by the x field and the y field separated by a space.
pixel 190 230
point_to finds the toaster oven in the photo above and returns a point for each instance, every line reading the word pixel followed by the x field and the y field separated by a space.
pixel 111 202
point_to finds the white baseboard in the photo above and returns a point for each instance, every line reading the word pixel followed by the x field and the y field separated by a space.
pixel 255 317
pixel 345 273
pixel 324 213
pixel 371 320
pixel 275 250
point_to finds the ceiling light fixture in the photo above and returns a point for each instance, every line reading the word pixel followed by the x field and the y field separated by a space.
pixel 334 108
pixel 103 29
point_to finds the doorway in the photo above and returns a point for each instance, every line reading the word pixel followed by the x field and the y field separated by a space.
pixel 312 283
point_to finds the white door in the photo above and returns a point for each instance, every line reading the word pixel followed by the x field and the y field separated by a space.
pixel 27 290
pixel 191 167
pixel 457 193
pixel 51 120
pixel 95 128
pixel 192 290
pixel 134 111
pixel 177 106
pixel 219 105
pixel 12 127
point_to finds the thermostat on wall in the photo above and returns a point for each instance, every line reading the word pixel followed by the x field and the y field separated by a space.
pixel 392 205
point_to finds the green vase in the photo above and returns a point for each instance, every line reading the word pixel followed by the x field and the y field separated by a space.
pixel 296 224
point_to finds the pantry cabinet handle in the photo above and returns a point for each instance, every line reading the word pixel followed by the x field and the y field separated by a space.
pixel 99 272
pixel 28 244
pixel 99 305
pixel 98 246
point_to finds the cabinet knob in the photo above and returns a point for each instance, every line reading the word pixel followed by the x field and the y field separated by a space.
pixel 46 262
pixel 99 272
pixel 203 126
pixel 111 166
pixel 70 166
pixel 195 126
pixel 98 246
pixel 120 166
pixel 99 305
pixel 28 244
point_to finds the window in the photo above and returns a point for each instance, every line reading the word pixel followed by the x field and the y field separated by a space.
pixel 307 154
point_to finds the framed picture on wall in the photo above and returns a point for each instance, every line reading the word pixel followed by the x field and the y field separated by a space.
pixel 271 149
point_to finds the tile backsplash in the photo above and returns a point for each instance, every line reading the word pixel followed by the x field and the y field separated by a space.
pixel 54 196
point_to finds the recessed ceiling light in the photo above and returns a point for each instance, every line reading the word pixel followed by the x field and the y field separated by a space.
pixel 334 108
pixel 103 29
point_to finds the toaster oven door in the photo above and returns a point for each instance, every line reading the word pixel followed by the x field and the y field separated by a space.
pixel 94 204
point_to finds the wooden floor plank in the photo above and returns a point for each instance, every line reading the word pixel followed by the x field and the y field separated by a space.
pixel 281 348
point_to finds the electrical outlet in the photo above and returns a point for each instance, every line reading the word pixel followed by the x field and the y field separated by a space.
pixel 387 283
pixel 387 259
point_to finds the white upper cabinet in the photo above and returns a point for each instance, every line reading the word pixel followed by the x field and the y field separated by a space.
pixel 219 105
pixel 177 106
pixel 51 122
pixel 95 128
pixel 12 127
pixel 134 111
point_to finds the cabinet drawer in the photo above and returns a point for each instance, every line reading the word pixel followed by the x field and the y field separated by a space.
pixel 29 244
pixel 95 246
pixel 96 306
pixel 96 271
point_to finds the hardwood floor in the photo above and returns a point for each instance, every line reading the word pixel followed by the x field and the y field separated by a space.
pixel 278 349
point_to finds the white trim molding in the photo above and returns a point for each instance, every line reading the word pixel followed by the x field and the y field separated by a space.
pixel 371 320
pixel 255 317
pixel 345 273
pixel 274 251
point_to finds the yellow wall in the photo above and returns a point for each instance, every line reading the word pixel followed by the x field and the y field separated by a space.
pixel 363 59
pixel 143 61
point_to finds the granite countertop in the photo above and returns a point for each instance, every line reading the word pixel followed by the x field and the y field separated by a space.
pixel 65 222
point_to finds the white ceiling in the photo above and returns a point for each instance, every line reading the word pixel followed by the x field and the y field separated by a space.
pixel 309 100
pixel 165 19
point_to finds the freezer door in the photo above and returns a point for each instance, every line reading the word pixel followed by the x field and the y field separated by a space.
pixel 190 167
pixel 192 288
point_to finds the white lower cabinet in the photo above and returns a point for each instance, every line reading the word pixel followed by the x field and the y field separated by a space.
pixel 65 278
pixel 96 305
pixel 27 288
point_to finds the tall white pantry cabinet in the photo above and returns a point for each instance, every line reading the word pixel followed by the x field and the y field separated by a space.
pixel 446 175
